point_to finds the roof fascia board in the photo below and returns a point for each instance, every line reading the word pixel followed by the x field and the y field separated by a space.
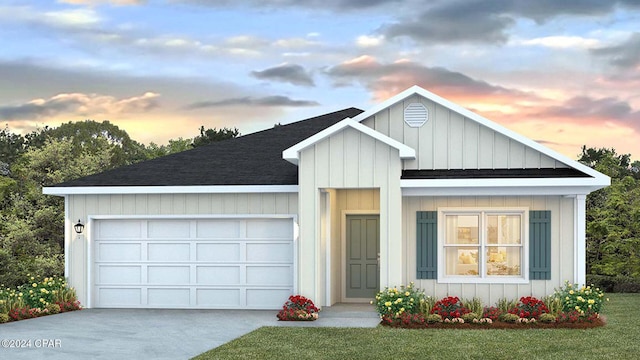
pixel 292 154
pixel 500 191
pixel 503 182
pixel 416 90
pixel 204 189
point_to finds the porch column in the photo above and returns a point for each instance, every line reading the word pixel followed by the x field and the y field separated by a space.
pixel 580 233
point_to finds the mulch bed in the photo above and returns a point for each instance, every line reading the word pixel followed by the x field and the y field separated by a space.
pixel 503 325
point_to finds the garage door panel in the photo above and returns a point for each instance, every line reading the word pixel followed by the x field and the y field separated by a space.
pixel 269 229
pixel 120 297
pixel 118 252
pixel 117 229
pixel 169 297
pixel 268 275
pixel 192 263
pixel 218 275
pixel 267 298
pixel 218 252
pixel 169 252
pixel 270 252
pixel 169 229
pixel 218 298
pixel 119 274
pixel 168 274
pixel 218 229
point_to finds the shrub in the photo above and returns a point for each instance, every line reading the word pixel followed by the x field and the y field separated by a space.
pixel 40 293
pixel 492 313
pixel 505 305
pixel 554 304
pixel 298 307
pixel 576 317
pixel 395 302
pixel 4 318
pixel 449 308
pixel 69 306
pixel 510 318
pixel 405 320
pixel 547 318
pixel 53 309
pixel 469 317
pixel 24 313
pixel 627 287
pixel 529 307
pixel 433 318
pixel 427 304
pixel 604 282
pixel 474 305
pixel 584 300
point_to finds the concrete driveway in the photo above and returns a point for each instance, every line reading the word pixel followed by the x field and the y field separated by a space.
pixel 151 334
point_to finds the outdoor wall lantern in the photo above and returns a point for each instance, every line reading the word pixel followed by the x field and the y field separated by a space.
pixel 78 227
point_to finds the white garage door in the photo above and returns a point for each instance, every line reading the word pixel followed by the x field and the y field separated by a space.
pixel 225 263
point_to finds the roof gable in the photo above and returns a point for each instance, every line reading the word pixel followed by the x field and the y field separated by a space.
pixel 292 154
pixel 416 90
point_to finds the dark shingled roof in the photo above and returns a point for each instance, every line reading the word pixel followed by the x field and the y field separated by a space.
pixel 254 159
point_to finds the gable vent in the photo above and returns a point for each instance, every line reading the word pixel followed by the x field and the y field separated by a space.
pixel 415 115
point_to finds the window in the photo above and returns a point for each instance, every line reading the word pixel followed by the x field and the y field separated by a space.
pixel 482 245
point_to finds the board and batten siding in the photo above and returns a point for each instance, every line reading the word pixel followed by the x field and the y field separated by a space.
pixel 82 206
pixel 348 159
pixel 450 141
pixel 562 245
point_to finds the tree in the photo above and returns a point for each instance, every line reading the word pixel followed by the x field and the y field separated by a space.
pixel 613 215
pixel 212 135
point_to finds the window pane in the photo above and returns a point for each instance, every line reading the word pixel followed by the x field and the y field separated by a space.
pixel 504 229
pixel 462 229
pixel 461 261
pixel 502 260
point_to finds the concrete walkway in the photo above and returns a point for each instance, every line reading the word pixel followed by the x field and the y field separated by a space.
pixel 152 334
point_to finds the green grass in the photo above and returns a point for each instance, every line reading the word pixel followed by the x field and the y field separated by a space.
pixel 617 340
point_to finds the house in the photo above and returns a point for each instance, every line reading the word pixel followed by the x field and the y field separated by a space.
pixel 335 208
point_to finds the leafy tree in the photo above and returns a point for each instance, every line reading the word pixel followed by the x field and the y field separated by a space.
pixel 212 135
pixel 613 215
pixel 154 150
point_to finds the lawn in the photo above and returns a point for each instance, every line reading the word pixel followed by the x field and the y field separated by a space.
pixel 619 339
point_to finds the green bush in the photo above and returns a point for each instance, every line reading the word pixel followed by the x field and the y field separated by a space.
pixel 584 300
pixel 4 318
pixel 509 318
pixel 433 318
pixel 396 301
pixel 505 305
pixel 554 304
pixel 475 305
pixel 40 293
pixel 547 318
pixel 469 317
pixel 53 309
pixel 427 305
pixel 617 284
pixel 604 282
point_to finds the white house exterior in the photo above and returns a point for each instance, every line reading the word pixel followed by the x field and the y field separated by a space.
pixel 334 208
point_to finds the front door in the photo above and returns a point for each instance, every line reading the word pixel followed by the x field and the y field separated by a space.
pixel 363 249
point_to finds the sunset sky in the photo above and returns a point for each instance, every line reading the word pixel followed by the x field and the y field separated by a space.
pixel 564 73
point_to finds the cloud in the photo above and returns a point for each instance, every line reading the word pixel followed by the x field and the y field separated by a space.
pixel 561 42
pixel 624 55
pixel 594 110
pixel 489 21
pixel 267 101
pixel 385 79
pixel 314 4
pixel 79 104
pixel 288 73
pixel 69 19
pixel 366 41
pixel 100 2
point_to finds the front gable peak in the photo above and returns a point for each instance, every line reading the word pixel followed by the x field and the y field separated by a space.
pixel 292 154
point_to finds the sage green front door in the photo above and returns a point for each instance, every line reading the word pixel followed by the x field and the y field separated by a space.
pixel 363 248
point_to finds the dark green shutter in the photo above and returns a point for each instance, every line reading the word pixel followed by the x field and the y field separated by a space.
pixel 427 244
pixel 540 245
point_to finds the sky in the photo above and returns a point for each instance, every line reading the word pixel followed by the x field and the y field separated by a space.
pixel 564 73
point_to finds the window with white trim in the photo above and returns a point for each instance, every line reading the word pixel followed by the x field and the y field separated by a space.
pixel 483 244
